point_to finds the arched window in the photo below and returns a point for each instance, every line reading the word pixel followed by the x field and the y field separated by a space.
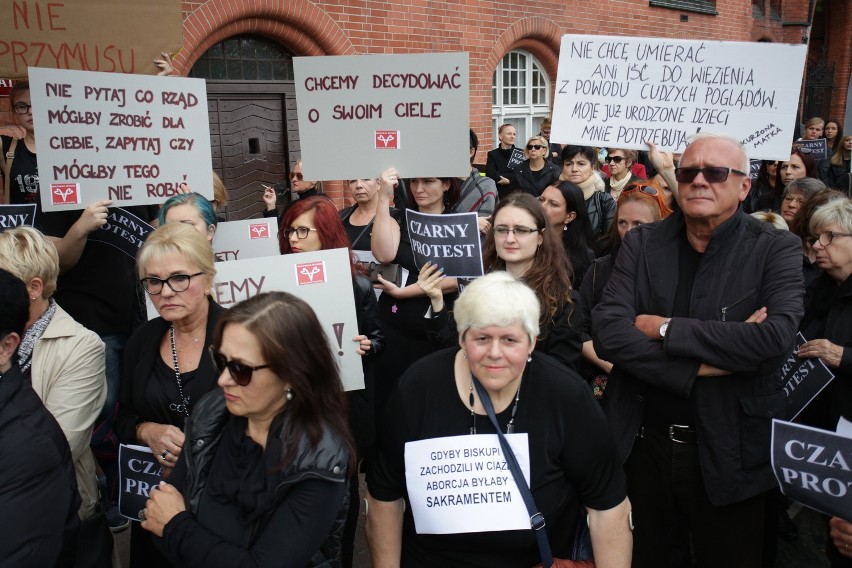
pixel 245 58
pixel 520 94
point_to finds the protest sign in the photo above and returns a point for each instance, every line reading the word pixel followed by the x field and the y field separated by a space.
pixel 89 35
pixel 818 149
pixel 803 379
pixel 129 138
pixel 17 215
pixel 450 241
pixel 249 238
pixel 812 466
pixel 373 112
pixel 462 484
pixel 124 231
pixel 621 91
pixel 323 279
pixel 516 159
pixel 754 169
pixel 138 473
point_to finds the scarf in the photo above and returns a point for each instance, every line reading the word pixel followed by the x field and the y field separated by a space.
pixel 617 186
pixel 589 186
pixel 32 335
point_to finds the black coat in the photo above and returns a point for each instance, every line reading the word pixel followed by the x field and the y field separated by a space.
pixel 38 488
pixel 527 181
pixel 601 209
pixel 747 265
pixel 497 165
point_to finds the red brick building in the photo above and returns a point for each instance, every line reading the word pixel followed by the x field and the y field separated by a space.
pixel 244 49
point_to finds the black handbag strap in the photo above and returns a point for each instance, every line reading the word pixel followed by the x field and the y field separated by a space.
pixel 536 518
pixel 364 230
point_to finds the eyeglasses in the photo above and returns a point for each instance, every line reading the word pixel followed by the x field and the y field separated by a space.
pixel 646 189
pixel 297 175
pixel 240 372
pixel 826 238
pixel 301 232
pixel 177 282
pixel 616 159
pixel 535 147
pixel 521 232
pixel 21 108
pixel 713 174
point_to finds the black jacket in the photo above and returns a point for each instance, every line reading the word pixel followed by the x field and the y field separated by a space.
pixel 327 461
pixel 527 182
pixel 362 411
pixel 747 265
pixel 38 488
pixel 601 208
pixel 498 165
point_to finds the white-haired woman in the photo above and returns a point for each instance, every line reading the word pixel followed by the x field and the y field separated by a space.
pixel 572 458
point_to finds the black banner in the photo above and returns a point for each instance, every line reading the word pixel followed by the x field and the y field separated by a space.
pixel 818 148
pixel 803 379
pixel 124 231
pixel 450 241
pixel 138 472
pixel 754 169
pixel 516 159
pixel 17 216
pixel 812 466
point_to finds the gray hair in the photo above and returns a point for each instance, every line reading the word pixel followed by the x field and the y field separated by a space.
pixel 835 211
pixel 745 165
pixel 497 299
pixel 807 186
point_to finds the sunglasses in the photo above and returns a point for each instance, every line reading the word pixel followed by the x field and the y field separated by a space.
pixel 616 159
pixel 297 175
pixel 535 147
pixel 713 174
pixel 646 189
pixel 240 372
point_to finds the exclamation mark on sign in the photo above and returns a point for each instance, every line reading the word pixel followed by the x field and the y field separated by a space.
pixel 338 333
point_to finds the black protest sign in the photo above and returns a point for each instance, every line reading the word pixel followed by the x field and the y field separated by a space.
pixel 754 169
pixel 124 231
pixel 17 216
pixel 812 466
pixel 138 473
pixel 803 379
pixel 818 149
pixel 516 159
pixel 449 241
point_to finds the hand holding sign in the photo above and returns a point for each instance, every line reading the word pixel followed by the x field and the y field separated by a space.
pixel 828 352
pixel 165 441
pixel 429 280
pixel 164 502
pixel 94 217
pixel 388 181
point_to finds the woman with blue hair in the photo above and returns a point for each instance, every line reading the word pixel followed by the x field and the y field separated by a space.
pixel 192 209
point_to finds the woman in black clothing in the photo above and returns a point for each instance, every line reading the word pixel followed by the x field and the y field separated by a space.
pixel 497 166
pixel 765 194
pixel 262 481
pixel 358 219
pixel 566 212
pixel 536 172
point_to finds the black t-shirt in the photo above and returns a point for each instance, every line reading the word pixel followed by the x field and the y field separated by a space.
pixel 573 461
pixel 24 183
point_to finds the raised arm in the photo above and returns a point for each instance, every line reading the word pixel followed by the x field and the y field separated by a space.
pixel 384 240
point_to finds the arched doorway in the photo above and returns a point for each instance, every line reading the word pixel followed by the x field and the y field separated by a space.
pixel 254 134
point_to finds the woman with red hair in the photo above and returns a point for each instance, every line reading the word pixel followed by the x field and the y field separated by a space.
pixel 310 225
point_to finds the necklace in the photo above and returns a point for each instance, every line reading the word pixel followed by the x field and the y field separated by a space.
pixel 183 407
pixel 510 428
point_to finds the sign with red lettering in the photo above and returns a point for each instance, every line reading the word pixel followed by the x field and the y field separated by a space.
pixel 619 92
pixel 359 107
pixel 132 139
pixel 92 35
pixel 6 87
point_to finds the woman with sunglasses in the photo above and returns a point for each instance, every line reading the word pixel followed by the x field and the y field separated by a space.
pixel 166 370
pixel 299 186
pixel 638 204
pixel 310 225
pixel 522 243
pixel 620 163
pixel 566 214
pixel 536 172
pixel 262 481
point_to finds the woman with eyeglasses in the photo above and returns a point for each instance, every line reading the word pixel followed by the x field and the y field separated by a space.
pixel 262 480
pixel 536 172
pixel 166 370
pixel 638 204
pixel 566 214
pixel 310 225
pixel 522 243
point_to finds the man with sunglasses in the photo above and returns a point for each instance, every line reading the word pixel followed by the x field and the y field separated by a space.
pixel 700 311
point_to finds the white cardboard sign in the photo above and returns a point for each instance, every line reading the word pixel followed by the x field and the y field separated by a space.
pixel 249 238
pixel 462 484
pixel 130 138
pixel 621 91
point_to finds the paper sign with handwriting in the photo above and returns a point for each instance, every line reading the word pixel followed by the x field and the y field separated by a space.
pixel 618 92
pixel 129 138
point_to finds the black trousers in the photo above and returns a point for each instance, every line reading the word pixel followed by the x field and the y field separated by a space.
pixel 675 523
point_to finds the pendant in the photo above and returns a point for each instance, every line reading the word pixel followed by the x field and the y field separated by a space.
pixel 179 408
pixel 510 429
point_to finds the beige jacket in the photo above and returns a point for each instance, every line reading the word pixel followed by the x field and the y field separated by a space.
pixel 68 375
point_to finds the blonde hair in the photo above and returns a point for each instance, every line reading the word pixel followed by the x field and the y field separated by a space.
pixel 772 218
pixel 499 299
pixel 178 239
pixel 28 254
pixel 541 139
pixel 220 194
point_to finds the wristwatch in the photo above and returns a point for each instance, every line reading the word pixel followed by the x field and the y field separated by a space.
pixel 664 327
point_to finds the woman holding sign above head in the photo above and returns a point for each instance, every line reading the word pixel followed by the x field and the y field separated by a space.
pixel 522 243
pixel 166 370
pixel 262 481
pixel 434 504
pixel 501 162
pixel 536 172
